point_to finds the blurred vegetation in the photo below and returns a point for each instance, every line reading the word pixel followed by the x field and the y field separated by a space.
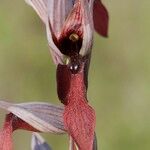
pixel 119 73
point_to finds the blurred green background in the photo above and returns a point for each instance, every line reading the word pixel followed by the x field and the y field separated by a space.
pixel 119 79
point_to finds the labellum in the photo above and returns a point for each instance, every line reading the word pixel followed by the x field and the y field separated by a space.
pixel 79 117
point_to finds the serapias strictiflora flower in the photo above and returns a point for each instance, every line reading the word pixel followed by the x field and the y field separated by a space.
pixel 69 23
pixel 70 27
pixel 36 116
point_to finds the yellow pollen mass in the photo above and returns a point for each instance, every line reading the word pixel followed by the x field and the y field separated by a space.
pixel 74 37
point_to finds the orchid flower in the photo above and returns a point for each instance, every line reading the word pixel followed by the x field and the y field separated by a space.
pixel 70 27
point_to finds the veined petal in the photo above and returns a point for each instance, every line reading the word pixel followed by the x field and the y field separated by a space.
pixel 58 11
pixel 40 6
pixel 38 143
pixel 43 117
pixel 87 26
pixel 68 6
pixel 57 14
pixel 57 56
pixel 73 23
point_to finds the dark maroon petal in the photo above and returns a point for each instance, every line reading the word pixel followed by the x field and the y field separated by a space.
pixel 101 18
pixel 63 82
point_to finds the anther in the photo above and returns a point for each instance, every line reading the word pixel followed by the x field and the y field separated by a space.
pixel 74 37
